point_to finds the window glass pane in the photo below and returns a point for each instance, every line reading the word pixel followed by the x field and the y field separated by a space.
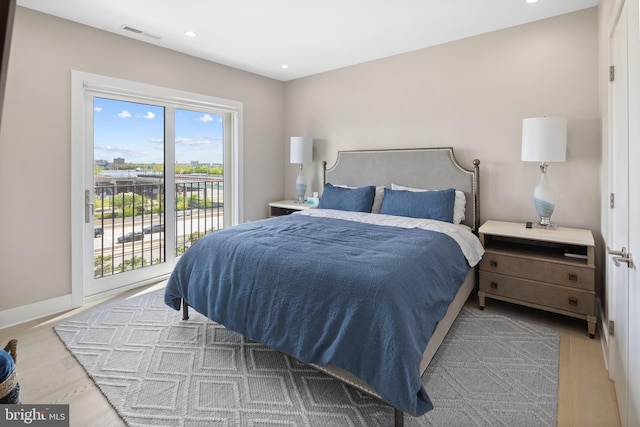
pixel 128 186
pixel 199 153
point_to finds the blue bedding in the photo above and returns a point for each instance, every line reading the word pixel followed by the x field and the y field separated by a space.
pixel 363 297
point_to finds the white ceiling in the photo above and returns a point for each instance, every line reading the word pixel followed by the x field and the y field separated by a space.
pixel 309 36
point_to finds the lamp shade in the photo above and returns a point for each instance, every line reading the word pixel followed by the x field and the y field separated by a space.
pixel 301 149
pixel 544 139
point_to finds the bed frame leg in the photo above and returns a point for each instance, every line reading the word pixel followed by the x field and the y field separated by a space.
pixel 399 417
pixel 185 310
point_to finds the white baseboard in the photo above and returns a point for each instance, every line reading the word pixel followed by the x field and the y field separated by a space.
pixel 37 310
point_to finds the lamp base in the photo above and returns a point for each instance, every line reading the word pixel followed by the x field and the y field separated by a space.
pixel 301 187
pixel 544 223
pixel 544 226
pixel 543 200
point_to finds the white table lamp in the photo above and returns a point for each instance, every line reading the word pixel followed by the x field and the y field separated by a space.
pixel 301 153
pixel 544 140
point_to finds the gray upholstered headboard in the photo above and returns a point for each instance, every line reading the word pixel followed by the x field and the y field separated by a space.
pixel 429 168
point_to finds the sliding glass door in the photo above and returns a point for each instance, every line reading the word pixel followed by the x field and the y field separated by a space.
pixel 156 180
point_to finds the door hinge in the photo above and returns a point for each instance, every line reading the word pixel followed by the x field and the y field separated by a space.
pixel 611 328
pixel 612 199
pixel 612 73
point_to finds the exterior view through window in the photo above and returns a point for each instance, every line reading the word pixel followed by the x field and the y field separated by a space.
pixel 131 221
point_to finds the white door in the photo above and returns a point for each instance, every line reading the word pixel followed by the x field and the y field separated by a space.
pixel 623 287
pixel 633 409
pixel 618 276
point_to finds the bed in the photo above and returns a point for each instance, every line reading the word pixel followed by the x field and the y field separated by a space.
pixel 364 297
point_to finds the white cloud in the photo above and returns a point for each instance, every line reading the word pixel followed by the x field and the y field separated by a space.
pixel 111 148
pixel 124 114
pixel 149 115
pixel 190 142
pixel 97 109
pixel 206 118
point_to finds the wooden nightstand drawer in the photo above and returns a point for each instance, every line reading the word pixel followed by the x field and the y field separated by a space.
pixel 537 294
pixel 565 273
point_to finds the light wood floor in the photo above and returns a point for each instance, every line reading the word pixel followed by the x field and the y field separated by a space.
pixel 49 374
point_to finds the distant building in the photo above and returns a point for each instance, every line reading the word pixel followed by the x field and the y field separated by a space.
pixel 118 161
pixel 102 163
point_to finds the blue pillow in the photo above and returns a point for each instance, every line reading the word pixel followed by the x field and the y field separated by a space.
pixel 347 199
pixel 436 205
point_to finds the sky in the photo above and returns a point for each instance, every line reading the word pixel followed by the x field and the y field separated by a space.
pixel 135 132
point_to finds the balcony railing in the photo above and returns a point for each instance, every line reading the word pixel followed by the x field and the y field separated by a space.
pixel 130 222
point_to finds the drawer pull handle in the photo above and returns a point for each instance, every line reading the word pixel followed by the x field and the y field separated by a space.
pixel 573 277
pixel 494 285
pixel 493 263
pixel 573 301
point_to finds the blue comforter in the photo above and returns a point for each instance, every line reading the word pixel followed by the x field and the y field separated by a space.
pixel 363 297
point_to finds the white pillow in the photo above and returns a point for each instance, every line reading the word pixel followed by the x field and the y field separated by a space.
pixel 459 203
pixel 377 199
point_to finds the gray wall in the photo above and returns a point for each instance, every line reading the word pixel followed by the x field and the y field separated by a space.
pixel 35 139
pixel 471 94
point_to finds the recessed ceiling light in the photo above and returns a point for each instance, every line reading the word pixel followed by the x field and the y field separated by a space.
pixel 531 1
pixel 192 34
pixel 285 66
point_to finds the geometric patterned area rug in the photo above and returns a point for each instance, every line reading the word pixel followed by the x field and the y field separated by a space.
pixel 158 370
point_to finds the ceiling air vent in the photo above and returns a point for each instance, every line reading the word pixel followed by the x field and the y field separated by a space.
pixel 133 30
pixel 140 32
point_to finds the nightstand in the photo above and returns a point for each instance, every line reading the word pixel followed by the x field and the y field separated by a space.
pixel 286 207
pixel 552 270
